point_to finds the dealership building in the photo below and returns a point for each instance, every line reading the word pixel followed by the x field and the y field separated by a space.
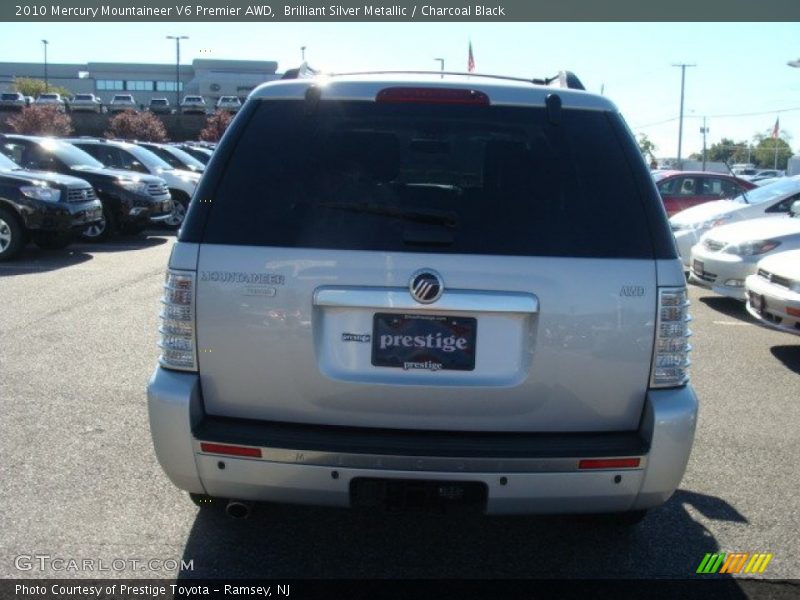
pixel 207 77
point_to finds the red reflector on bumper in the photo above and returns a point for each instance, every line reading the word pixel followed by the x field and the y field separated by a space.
pixel 795 312
pixel 232 450
pixel 608 463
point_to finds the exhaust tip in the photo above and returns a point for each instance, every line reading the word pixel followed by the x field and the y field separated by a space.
pixel 238 509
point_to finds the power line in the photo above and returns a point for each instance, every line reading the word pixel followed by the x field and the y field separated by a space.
pixel 721 116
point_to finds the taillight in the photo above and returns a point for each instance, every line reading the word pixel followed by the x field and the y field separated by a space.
pixel 177 341
pixel 671 348
pixel 421 95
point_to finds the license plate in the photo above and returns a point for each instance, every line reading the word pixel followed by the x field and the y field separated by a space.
pixel 424 342
pixel 698 267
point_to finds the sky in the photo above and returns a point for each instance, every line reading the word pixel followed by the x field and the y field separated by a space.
pixel 741 82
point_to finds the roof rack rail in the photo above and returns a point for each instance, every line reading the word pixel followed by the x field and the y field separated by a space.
pixel 564 79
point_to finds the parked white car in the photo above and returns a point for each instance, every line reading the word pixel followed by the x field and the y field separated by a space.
pixel 767 201
pixel 86 103
pixel 231 104
pixel 121 102
pixel 773 293
pixel 193 105
pixel 51 100
pixel 727 255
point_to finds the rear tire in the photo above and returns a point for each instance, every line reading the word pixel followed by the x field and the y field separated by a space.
pixel 12 234
pixel 52 240
pixel 203 500
pixel 623 519
pixel 180 205
pixel 101 231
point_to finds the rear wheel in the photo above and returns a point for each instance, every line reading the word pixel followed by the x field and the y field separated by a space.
pixel 12 234
pixel 203 500
pixel 51 240
pixel 102 230
pixel 180 202
pixel 623 519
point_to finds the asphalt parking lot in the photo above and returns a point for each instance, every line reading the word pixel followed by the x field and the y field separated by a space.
pixel 80 480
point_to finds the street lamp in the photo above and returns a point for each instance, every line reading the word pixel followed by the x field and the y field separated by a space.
pixel 704 130
pixel 177 39
pixel 303 53
pixel 441 65
pixel 680 122
pixel 44 43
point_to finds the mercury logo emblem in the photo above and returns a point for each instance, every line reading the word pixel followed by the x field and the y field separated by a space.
pixel 426 286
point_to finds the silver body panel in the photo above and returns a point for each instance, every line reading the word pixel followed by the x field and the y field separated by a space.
pixel 564 353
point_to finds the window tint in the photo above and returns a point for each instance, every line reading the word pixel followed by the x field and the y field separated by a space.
pixel 428 178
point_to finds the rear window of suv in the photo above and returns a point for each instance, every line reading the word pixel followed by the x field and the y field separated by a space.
pixel 429 178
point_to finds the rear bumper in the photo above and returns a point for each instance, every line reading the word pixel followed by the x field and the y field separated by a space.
pixel 315 465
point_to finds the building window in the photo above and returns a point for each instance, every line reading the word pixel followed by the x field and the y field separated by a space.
pixel 167 86
pixel 139 86
pixel 110 84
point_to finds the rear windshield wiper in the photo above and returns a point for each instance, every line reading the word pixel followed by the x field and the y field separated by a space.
pixel 436 217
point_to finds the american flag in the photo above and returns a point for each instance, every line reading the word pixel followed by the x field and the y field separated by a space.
pixel 776 130
pixel 470 59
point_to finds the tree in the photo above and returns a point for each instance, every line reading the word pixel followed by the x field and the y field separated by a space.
pixel 647 147
pixel 41 120
pixel 765 151
pixel 130 125
pixel 29 86
pixel 216 125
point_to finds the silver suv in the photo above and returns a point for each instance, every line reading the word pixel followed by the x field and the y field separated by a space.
pixel 446 290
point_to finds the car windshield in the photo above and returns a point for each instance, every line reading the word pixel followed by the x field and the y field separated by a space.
pixel 10 96
pixel 158 101
pixel 184 157
pixel 771 191
pixel 6 164
pixel 83 97
pixel 49 96
pixel 149 159
pixel 71 156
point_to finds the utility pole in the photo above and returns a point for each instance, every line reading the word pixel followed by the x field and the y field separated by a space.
pixel 177 39
pixel 704 131
pixel 441 65
pixel 44 43
pixel 680 122
pixel 303 53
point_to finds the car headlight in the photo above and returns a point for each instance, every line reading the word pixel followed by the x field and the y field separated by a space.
pixel 41 192
pixel 752 248
pixel 713 222
pixel 132 185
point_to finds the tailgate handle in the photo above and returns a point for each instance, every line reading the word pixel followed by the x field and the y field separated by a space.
pixel 451 300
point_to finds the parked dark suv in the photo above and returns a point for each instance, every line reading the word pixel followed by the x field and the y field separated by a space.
pixel 130 201
pixel 422 290
pixel 46 207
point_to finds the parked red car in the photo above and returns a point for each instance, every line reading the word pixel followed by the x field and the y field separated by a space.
pixel 683 189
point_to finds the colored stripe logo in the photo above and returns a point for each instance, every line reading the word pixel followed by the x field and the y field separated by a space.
pixel 734 563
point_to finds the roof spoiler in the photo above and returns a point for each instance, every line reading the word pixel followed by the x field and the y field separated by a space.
pixel 564 79
pixel 301 72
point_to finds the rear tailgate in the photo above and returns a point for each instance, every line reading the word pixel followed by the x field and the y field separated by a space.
pixel 288 335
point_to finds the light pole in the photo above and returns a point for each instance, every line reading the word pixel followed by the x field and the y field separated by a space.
pixel 680 122
pixel 303 53
pixel 177 39
pixel 704 130
pixel 44 43
pixel 441 65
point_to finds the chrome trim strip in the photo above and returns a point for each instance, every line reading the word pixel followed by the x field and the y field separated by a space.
pixel 423 463
pixel 451 300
